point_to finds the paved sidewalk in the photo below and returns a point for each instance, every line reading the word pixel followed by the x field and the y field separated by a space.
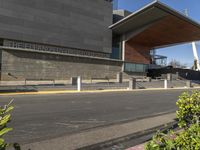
pixel 99 135
pixel 90 91
pixel 100 86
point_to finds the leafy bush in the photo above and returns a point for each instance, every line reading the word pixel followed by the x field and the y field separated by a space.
pixel 162 141
pixel 188 116
pixel 189 109
pixel 189 139
pixel 4 119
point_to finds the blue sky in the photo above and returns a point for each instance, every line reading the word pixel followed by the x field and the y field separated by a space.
pixel 182 53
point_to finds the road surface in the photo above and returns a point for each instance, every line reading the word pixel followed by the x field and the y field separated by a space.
pixel 40 117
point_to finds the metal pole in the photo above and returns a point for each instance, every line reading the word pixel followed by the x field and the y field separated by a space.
pixel 196 57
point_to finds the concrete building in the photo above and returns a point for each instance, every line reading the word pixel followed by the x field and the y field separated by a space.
pixel 56 39
pixel 59 39
pixel 154 26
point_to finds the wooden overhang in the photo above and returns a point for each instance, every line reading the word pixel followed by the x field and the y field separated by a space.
pixel 156 25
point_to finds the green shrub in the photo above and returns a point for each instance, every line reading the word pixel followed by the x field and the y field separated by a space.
pixel 189 139
pixel 4 119
pixel 188 115
pixel 162 141
pixel 189 109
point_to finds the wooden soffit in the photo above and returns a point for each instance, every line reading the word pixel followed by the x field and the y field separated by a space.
pixel 168 31
pixel 156 25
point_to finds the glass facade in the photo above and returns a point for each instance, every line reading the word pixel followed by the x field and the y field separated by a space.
pixel 133 67
pixel 116 48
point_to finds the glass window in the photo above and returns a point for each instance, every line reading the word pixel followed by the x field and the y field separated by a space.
pixel 116 48
pixel 133 67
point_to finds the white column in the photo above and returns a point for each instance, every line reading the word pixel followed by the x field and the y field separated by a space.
pixel 123 47
pixel 123 50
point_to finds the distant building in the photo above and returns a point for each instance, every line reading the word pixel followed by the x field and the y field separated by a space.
pixel 60 39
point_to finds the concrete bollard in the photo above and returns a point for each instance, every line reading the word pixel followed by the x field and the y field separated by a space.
pixel 119 77
pixel 132 83
pixel 74 80
pixel 177 75
pixel 149 79
pixel 169 77
pixel 165 84
pixel 188 84
pixel 79 83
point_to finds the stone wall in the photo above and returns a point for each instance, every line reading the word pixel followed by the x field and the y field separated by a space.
pixel 22 64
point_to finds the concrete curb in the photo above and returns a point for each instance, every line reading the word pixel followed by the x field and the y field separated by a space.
pixel 100 135
pixel 110 143
pixel 91 91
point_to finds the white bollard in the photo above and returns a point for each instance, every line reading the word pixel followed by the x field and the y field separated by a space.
pixel 165 83
pixel 79 83
pixel 119 77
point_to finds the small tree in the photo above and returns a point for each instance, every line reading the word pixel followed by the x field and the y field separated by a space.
pixel 177 64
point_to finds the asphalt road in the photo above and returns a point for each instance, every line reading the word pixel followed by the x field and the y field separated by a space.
pixel 40 117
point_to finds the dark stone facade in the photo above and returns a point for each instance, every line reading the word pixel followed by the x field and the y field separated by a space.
pixel 63 27
pixel 81 24
pixel 20 65
pixel 49 48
